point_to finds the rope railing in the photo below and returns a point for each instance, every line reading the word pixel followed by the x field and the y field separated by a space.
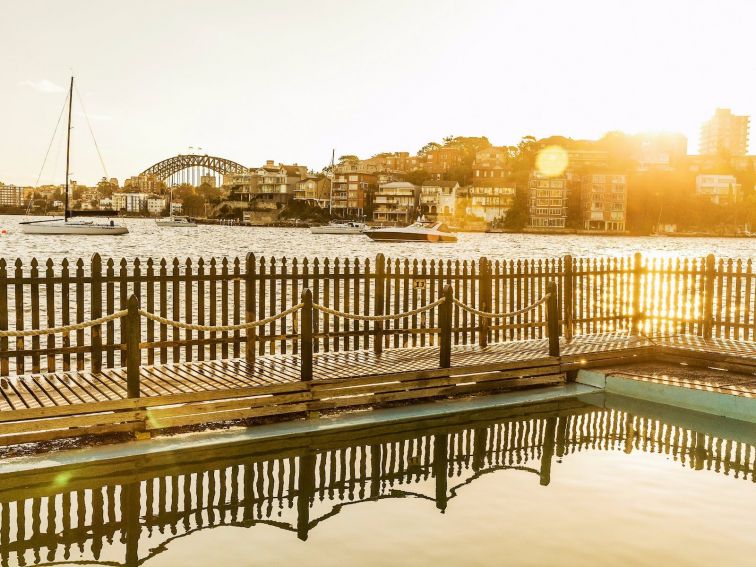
pixel 219 328
pixel 393 317
pixel 507 315
pixel 65 329
pixel 259 323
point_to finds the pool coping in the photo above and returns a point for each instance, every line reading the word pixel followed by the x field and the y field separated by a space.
pixel 626 384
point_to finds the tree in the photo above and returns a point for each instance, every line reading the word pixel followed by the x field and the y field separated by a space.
pixel 348 159
pixel 193 205
pixel 428 148
pixel 517 217
pixel 416 177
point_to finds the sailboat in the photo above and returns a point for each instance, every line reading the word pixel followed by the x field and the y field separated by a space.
pixel 175 221
pixel 69 224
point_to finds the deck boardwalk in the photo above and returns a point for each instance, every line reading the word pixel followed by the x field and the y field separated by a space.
pixel 273 373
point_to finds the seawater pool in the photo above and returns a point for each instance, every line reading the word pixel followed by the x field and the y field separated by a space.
pixel 568 483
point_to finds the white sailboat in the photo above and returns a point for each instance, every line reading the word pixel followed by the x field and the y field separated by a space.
pixel 175 221
pixel 69 224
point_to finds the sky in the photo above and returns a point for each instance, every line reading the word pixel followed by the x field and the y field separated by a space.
pixel 289 80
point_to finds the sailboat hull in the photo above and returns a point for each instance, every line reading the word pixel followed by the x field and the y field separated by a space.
pixel 74 228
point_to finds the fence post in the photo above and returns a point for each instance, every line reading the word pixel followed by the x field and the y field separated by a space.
pixel 637 275
pixel 133 354
pixel 445 326
pixel 306 338
pixel 568 297
pixel 249 306
pixel 380 289
pixel 708 299
pixel 552 318
pixel 485 286
pixel 95 308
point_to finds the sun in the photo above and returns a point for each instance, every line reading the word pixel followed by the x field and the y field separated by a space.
pixel 551 161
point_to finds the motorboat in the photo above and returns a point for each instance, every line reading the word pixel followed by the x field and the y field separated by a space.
pixel 419 231
pixel 340 227
pixel 176 222
pixel 69 224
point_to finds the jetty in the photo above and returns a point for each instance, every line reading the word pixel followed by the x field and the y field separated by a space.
pixel 143 345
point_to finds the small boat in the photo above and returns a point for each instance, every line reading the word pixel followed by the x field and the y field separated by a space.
pixel 176 222
pixel 68 224
pixel 419 231
pixel 340 227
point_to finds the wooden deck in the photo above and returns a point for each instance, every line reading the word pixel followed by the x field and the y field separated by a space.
pixel 271 372
pixel 63 404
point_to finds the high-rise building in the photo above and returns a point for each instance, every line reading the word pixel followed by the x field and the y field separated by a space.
pixel 11 195
pixel 725 133
pixel 721 189
pixel 603 199
pixel 548 201
pixel 353 190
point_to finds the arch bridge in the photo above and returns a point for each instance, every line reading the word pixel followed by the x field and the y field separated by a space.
pixel 190 168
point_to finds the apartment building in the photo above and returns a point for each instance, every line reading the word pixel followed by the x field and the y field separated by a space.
pixel 440 161
pixel 547 201
pixel 130 202
pixel 269 184
pixel 156 205
pixel 396 203
pixel 490 200
pixel 490 164
pixel 353 189
pixel 720 189
pixel 725 133
pixel 11 196
pixel 143 183
pixel 400 162
pixel 603 202
pixel 438 199
pixel 314 190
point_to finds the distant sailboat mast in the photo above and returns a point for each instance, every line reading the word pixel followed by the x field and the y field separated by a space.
pixel 333 178
pixel 68 146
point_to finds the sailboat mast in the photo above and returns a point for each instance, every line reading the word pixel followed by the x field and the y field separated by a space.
pixel 333 178
pixel 68 146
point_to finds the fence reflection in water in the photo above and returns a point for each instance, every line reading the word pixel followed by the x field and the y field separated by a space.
pixel 132 512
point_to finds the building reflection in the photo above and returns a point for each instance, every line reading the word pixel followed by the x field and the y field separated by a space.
pixel 127 512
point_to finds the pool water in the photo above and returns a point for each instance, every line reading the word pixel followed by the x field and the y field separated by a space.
pixel 572 485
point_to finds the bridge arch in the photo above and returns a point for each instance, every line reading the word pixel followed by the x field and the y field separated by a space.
pixel 188 168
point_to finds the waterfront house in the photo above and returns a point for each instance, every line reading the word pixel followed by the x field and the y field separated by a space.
pixel 396 203
pixel 438 198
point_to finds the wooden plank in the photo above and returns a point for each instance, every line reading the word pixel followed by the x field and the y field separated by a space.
pixel 70 421
pixel 227 415
pixel 222 405
pixel 50 435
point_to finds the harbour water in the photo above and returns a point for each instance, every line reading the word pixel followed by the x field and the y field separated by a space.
pixel 145 239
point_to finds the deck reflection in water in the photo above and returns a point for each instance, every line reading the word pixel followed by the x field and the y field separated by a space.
pixel 125 514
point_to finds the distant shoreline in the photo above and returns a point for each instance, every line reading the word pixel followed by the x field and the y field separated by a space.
pixel 306 224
